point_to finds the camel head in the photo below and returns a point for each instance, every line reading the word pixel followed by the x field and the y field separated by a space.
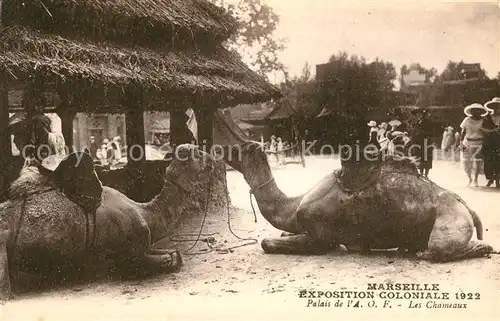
pixel 188 162
pixel 248 158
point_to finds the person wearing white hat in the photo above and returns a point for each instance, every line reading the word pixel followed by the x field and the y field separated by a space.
pixel 447 140
pixel 495 100
pixel 94 147
pixel 491 150
pixel 372 138
pixel 472 139
pixel 494 105
pixel 382 136
pixel 117 151
pixel 103 154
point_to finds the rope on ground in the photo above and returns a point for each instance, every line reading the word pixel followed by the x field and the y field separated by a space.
pixel 209 238
pixel 251 240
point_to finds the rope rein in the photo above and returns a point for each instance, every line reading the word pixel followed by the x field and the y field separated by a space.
pixel 209 238
pixel 252 192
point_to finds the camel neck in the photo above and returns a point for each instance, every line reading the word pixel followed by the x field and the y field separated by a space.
pixel 274 205
pixel 164 210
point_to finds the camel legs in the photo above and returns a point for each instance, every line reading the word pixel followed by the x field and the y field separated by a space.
pixel 5 286
pixel 294 244
pixel 163 260
pixel 153 262
pixel 450 240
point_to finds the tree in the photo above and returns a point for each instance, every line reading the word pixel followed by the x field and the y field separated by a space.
pixel 430 74
pixel 455 71
pixel 255 40
pixel 351 88
pixel 297 91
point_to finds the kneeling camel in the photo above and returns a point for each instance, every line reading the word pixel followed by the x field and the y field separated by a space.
pixel 380 204
pixel 43 232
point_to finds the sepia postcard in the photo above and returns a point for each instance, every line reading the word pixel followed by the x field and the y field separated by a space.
pixel 249 160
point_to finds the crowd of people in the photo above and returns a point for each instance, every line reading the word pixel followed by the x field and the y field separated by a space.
pixel 480 142
pixel 390 138
pixel 277 147
pixel 107 152
pixel 477 142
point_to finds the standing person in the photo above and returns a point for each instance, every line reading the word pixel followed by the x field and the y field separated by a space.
pixel 447 141
pixel 373 136
pixel 451 138
pixel 93 148
pixel 491 151
pixel 280 155
pixel 424 150
pixel 117 150
pixel 456 147
pixel 273 147
pixel 471 139
pixel 444 139
pixel 382 136
pixel 104 152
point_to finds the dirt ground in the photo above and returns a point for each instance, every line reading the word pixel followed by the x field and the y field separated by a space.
pixel 247 284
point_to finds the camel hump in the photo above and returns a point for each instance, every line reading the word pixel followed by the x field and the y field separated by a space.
pixel 76 177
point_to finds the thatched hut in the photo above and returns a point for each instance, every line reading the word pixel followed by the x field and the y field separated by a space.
pixel 123 56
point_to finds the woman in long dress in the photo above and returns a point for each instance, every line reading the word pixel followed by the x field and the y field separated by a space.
pixel 491 147
pixel 424 148
pixel 472 138
pixel 382 136
pixel 280 152
pixel 491 152
pixel 373 136
pixel 273 147
pixel 447 141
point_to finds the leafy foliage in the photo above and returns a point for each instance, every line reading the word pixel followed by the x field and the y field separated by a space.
pixel 299 93
pixel 454 71
pixel 255 40
pixel 352 87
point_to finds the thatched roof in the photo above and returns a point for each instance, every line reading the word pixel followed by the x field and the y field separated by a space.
pixel 215 75
pixel 137 21
pixel 171 49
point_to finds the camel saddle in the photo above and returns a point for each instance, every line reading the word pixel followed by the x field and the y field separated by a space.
pixel 74 175
pixel 356 176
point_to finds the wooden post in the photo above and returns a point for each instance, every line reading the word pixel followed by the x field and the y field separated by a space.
pixel 67 113
pixel 205 119
pixel 136 144
pixel 176 119
pixel 5 146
